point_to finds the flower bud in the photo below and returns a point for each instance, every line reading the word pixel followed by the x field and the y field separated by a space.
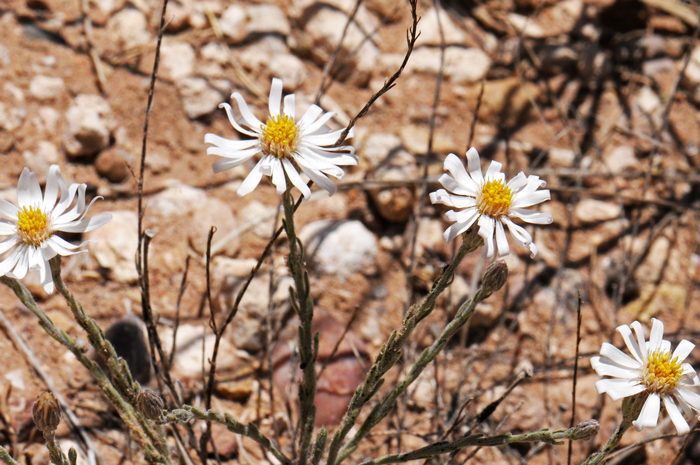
pixel 494 277
pixel 46 412
pixel 150 404
pixel 586 429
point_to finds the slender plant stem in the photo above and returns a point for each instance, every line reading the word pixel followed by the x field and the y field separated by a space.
pixel 579 432
pixel 426 357
pixel 6 458
pixel 391 350
pixel 308 343
pixel 188 412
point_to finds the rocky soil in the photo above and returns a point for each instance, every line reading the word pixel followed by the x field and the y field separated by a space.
pixel 598 97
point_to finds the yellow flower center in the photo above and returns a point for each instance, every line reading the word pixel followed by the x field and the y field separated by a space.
pixel 661 374
pixel 494 199
pixel 280 136
pixel 33 226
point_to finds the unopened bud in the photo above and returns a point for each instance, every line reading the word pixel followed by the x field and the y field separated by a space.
pixel 150 404
pixel 494 277
pixel 46 412
pixel 586 430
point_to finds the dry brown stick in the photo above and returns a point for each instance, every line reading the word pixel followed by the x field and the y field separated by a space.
pixel 76 425
pixel 573 388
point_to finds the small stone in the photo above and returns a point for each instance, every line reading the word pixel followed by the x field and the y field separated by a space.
pixel 13 91
pixel 176 59
pixel 232 22
pixel 46 87
pixel 288 68
pixel 236 390
pixel 340 247
pixel 647 100
pixel 190 356
pixel 47 120
pixel 39 161
pixel 212 212
pixel 113 165
pixel 179 199
pixel 128 29
pixel 561 158
pixel 550 21
pixel 357 51
pixel 430 26
pixel 466 65
pixel 129 341
pixel 692 72
pixel 415 139
pixel 11 118
pixel 394 205
pixel 267 19
pixel 593 211
pixel 89 124
pixel 378 147
pixel 620 159
pixel 115 244
pixel 198 99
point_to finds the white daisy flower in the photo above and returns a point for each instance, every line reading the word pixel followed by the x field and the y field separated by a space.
pixel 33 225
pixel 490 201
pixel 287 145
pixel 654 369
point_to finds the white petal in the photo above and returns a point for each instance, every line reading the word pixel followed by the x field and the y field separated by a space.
pixel 676 416
pixel 455 167
pixel 619 388
pixel 239 156
pixel 309 132
pixel 86 224
pixel 51 190
pixel 475 166
pixel 531 216
pixel 277 176
pixel 520 234
pixel 657 334
pixel 22 265
pixel 458 228
pixel 253 131
pixel 320 179
pixel 8 210
pixel 454 186
pixel 517 183
pixel 224 164
pixel 690 397
pixel 289 106
pixel 313 112
pixel 252 180
pixel 632 345
pixel 229 144
pixel 7 227
pixel 8 243
pixel 493 171
pixel 296 179
pixel 683 350
pixel 250 119
pixel 649 416
pixel 641 342
pixel 527 199
pixel 57 245
pixel 28 190
pixel 501 240
pixel 486 230
pixel 616 355
pixel 275 97
pixel 67 196
pixel 603 367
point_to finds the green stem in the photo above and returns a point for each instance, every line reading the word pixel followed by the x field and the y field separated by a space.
pixel 391 350
pixel 426 357
pixel 188 412
pixel 308 344
pixel 125 410
pixel 56 455
pixel 6 458
pixel 433 450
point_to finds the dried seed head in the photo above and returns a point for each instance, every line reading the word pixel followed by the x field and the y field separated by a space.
pixel 495 277
pixel 586 429
pixel 46 412
pixel 150 404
